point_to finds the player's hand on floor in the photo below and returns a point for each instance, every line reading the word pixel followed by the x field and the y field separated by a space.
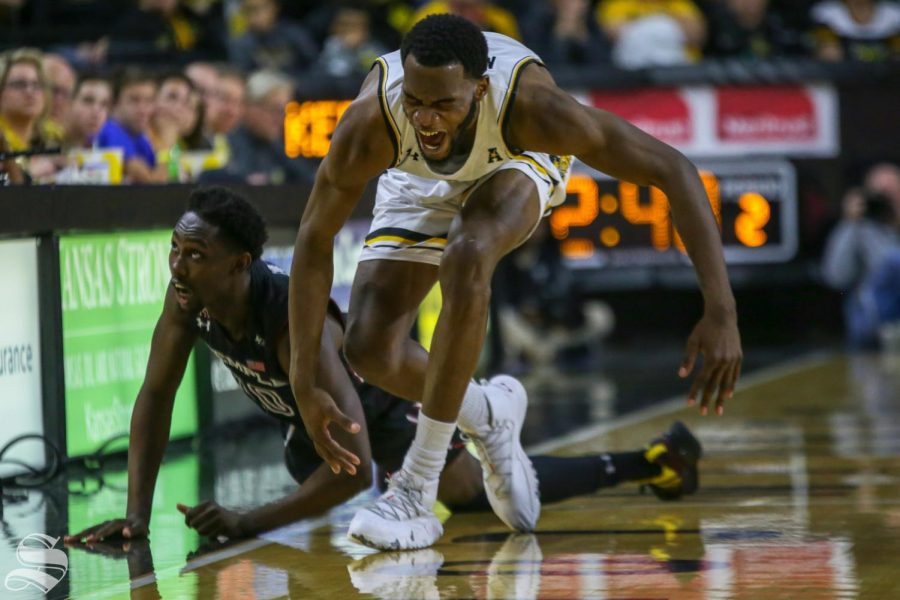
pixel 318 412
pixel 212 520
pixel 718 340
pixel 128 528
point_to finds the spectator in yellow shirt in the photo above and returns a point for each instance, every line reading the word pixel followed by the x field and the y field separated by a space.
pixel 481 12
pixel 652 32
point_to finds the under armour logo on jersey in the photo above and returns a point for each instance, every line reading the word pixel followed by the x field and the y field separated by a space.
pixel 203 321
pixel 493 155
pixel 259 341
pixel 409 154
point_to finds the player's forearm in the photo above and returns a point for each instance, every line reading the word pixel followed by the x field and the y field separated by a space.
pixel 312 272
pixel 150 424
pixel 322 491
pixel 697 225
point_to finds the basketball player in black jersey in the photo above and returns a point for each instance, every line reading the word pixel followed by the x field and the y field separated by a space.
pixel 224 294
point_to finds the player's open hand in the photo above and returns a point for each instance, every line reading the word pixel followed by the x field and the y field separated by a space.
pixel 212 520
pixel 318 411
pixel 127 528
pixel 718 339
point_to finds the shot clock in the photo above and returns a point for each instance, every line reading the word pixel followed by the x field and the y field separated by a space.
pixel 609 223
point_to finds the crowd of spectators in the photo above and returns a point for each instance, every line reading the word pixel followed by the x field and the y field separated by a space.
pixel 180 90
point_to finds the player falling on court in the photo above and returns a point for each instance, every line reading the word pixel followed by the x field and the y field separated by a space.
pixel 472 140
pixel 222 293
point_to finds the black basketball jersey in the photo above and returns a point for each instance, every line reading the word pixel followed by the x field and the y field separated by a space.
pixel 253 360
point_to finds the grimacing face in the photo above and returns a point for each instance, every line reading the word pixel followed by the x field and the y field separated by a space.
pixel 437 101
pixel 203 267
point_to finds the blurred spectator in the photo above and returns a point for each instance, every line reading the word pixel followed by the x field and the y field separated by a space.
pixel 350 49
pixel 23 102
pixel 90 108
pixel 483 13
pixel 129 125
pixel 868 230
pixel 162 31
pixel 173 113
pixel 61 80
pixel 748 29
pixel 271 42
pixel 205 78
pixel 882 289
pixel 257 146
pixel 227 108
pixel 23 109
pixel 863 30
pixel 652 32
pixel 540 313
pixel 562 32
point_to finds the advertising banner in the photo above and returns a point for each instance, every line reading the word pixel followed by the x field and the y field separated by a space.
pixel 20 355
pixel 706 121
pixel 113 287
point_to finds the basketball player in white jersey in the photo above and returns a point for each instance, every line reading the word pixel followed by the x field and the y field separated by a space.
pixel 472 140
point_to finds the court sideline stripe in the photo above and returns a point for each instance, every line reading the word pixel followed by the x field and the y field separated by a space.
pixel 677 403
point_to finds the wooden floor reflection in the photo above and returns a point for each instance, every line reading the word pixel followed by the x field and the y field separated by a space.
pixel 799 498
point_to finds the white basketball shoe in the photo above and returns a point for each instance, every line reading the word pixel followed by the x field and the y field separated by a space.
pixel 509 478
pixel 401 518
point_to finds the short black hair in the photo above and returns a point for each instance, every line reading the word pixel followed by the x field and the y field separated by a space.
pixel 444 39
pixel 239 223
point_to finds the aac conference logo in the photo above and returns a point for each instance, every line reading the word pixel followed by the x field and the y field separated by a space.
pixel 45 565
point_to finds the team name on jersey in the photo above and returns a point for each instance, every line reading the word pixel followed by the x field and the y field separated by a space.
pixel 248 372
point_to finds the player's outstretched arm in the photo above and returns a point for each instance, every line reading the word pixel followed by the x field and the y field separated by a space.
pixel 546 119
pixel 324 489
pixel 360 150
pixel 151 419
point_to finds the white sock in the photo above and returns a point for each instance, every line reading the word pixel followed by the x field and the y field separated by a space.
pixel 428 453
pixel 474 413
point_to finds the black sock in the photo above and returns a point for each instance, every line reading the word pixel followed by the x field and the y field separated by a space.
pixel 630 466
pixel 561 477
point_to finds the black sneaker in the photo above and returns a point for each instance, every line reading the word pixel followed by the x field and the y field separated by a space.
pixel 676 452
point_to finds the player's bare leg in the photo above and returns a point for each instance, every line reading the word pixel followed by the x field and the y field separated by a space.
pixel 498 216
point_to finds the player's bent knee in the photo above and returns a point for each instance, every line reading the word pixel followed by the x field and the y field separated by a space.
pixel 368 353
pixel 467 265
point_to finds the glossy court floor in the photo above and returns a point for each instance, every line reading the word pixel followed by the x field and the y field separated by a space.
pixel 799 498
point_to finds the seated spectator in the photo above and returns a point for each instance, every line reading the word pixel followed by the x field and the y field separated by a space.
pixel 204 77
pixel 173 114
pixel 222 112
pixel 350 50
pixel 23 104
pixel 483 13
pixel 90 108
pixel 747 29
pixel 652 32
pixel 257 146
pixel 129 125
pixel 271 42
pixel 861 30
pixel 562 32
pixel 61 79
pixel 540 313
pixel 868 231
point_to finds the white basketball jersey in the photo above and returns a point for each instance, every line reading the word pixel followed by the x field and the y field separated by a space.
pixel 506 58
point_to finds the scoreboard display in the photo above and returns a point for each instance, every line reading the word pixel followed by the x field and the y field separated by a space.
pixel 610 223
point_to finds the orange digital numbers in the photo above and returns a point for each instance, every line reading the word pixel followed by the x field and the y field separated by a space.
pixel 711 185
pixel 755 214
pixel 583 212
pixel 308 126
pixel 655 213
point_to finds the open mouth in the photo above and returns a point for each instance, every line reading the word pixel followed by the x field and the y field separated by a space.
pixel 431 140
pixel 182 293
